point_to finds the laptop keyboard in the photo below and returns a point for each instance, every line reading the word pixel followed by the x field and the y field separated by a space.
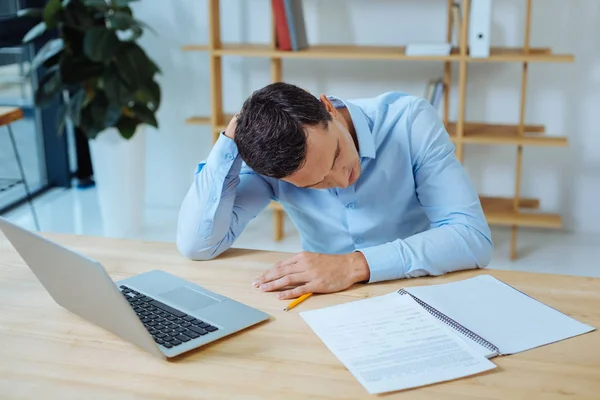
pixel 168 326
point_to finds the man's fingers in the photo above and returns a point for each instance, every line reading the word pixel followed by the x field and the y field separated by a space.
pixel 294 293
pixel 279 270
pixel 292 260
pixel 275 273
pixel 283 282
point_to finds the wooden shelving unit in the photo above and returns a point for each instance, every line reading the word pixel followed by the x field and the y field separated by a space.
pixel 512 211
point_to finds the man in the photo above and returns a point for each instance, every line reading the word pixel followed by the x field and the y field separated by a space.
pixel 373 187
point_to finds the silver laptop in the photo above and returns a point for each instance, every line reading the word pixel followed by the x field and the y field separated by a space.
pixel 155 310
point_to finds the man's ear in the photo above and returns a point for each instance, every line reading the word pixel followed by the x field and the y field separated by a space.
pixel 328 105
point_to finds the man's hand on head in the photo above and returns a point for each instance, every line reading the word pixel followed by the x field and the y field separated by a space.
pixel 314 273
pixel 230 130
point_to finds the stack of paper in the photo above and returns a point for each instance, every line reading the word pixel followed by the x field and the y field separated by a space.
pixel 428 334
pixel 390 343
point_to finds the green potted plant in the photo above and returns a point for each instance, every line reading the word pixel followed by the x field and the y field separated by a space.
pixel 108 83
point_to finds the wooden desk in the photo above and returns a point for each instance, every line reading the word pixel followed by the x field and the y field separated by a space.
pixel 46 352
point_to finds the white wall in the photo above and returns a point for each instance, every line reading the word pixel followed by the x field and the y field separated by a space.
pixel 564 97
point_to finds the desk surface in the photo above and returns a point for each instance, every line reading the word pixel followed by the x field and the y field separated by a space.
pixel 9 115
pixel 48 353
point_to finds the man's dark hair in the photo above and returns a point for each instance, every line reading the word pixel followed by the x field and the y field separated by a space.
pixel 270 133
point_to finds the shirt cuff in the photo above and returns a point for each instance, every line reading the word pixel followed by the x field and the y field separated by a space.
pixel 224 158
pixel 385 262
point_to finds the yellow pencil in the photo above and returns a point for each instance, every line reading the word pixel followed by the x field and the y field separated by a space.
pixel 297 301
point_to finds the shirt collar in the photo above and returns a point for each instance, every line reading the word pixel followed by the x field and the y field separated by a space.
pixel 366 144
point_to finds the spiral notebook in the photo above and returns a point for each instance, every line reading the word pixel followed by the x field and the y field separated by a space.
pixel 493 317
pixel 428 334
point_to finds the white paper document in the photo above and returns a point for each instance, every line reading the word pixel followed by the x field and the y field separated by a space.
pixel 391 343
pixel 502 315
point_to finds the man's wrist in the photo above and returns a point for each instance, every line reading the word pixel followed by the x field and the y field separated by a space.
pixel 359 267
pixel 224 133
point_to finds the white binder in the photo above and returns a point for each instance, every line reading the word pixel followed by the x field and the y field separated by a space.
pixel 480 21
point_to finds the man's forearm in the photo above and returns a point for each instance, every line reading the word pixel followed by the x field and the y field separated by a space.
pixel 206 210
pixel 221 201
pixel 437 251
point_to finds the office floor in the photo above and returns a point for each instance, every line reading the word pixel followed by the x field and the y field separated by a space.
pixel 75 211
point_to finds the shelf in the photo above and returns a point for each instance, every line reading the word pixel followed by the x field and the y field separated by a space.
pixel 357 52
pixel 501 134
pixel 332 52
pixel 518 54
pixel 516 218
pixel 322 52
pixel 199 120
pixel 473 133
pixel 499 211
pixel 506 203
pixel 195 47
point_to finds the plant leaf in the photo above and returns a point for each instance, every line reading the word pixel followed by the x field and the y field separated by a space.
pixel 144 114
pixel 31 12
pixel 100 44
pixel 134 65
pixel 126 10
pixel 49 50
pixel 35 32
pixel 53 60
pixel 71 110
pixel 146 26
pixel 78 17
pixel 51 13
pixel 75 105
pixel 121 3
pixel 98 106
pixel 87 123
pixel 95 3
pixel 77 70
pixel 49 86
pixel 127 126
pixel 120 20
pixel 149 94
pixel 155 68
pixel 113 113
pixel 136 33
pixel 104 113
pixel 116 89
pixel 98 115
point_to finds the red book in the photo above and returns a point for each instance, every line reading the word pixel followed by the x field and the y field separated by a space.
pixel 281 27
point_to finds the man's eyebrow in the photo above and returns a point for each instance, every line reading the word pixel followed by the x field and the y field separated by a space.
pixel 335 157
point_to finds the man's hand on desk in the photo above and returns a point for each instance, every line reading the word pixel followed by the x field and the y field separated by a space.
pixel 314 273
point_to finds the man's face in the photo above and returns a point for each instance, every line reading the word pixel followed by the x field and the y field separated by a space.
pixel 332 159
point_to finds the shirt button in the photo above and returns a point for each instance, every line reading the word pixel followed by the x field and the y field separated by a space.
pixel 351 206
pixel 358 239
pixel 214 199
pixel 229 156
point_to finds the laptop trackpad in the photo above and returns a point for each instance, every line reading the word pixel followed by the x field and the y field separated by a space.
pixel 188 298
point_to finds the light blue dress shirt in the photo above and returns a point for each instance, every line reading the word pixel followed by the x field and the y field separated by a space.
pixel 412 212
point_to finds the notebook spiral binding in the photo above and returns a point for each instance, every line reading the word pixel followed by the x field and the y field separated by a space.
pixel 453 324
